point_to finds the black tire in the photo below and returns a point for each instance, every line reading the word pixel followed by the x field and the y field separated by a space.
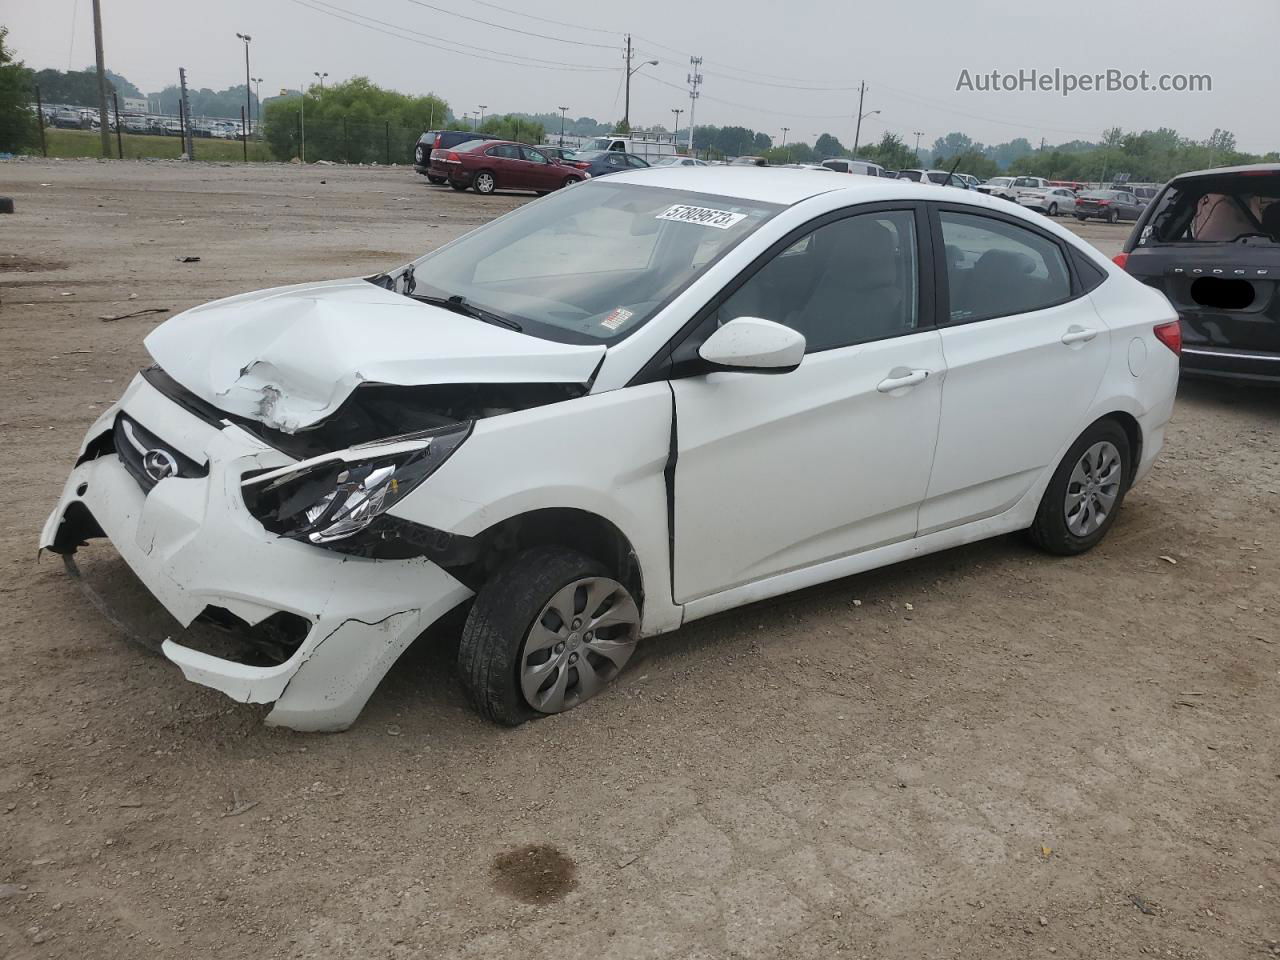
pixel 460 187
pixel 542 193
pixel 1113 216
pixel 500 618
pixel 1049 531
pixel 1053 209
pixel 1081 217
pixel 484 182
pixel 438 181
pixel 570 181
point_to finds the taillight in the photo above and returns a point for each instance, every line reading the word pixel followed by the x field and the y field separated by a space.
pixel 1120 259
pixel 451 157
pixel 1104 203
pixel 436 145
pixel 1170 334
pixel 581 165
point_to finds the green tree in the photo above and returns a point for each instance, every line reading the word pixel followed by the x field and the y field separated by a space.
pixel 18 128
pixel 891 152
pixel 77 88
pixel 512 126
pixel 120 85
pixel 352 122
pixel 828 146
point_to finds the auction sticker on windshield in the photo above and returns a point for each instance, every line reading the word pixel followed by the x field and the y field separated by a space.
pixel 703 216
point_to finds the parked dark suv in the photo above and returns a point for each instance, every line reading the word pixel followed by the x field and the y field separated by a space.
pixel 1210 241
pixel 439 140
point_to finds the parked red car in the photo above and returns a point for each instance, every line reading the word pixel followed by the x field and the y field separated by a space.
pixel 489 165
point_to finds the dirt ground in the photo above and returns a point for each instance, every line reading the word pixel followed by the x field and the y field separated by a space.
pixel 988 753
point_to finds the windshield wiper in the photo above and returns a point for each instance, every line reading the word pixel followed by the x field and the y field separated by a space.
pixel 458 304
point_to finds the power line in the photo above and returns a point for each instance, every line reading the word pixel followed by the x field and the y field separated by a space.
pixel 400 31
pixel 503 26
pixel 557 23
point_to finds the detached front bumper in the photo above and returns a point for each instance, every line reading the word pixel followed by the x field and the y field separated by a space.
pixel 195 546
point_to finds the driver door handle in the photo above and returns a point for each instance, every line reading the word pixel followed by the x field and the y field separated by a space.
pixel 1076 334
pixel 896 381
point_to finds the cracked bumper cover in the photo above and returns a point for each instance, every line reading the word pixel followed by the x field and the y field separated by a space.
pixel 193 544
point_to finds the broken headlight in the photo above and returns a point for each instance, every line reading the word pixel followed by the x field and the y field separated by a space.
pixel 337 495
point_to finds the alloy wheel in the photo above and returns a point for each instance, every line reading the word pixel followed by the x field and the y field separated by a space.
pixel 484 183
pixel 583 637
pixel 1093 488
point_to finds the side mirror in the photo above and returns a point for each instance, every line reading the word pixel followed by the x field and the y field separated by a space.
pixel 751 343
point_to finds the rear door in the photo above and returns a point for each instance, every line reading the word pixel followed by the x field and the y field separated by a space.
pixel 504 161
pixel 1025 353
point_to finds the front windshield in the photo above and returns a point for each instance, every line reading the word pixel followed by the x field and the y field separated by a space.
pixel 592 263
pixel 601 143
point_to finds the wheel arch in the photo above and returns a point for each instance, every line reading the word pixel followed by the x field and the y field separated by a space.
pixel 589 533
pixel 1129 424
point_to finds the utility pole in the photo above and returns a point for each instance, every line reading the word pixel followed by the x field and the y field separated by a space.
pixel 119 140
pixel 184 108
pixel 857 131
pixel 257 95
pixel 563 111
pixel 694 81
pixel 103 127
pixel 675 136
pixel 248 94
pixel 626 110
pixel 918 134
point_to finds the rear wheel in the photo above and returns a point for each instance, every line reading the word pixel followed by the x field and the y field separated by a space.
pixel 484 182
pixel 1053 209
pixel 1081 217
pixel 460 187
pixel 1082 500
pixel 438 181
pixel 1113 216
pixel 548 631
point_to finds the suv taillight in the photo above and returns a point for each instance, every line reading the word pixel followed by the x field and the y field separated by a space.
pixel 1120 259
pixel 436 144
pixel 1170 334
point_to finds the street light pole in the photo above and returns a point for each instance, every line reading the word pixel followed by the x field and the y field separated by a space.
pixel 483 107
pixel 321 76
pixel 563 111
pixel 626 110
pixel 248 94
pixel 784 142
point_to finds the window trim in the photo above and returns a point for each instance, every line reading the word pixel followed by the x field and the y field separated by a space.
pixel 942 284
pixel 663 365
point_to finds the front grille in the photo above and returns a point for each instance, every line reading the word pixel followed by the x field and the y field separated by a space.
pixel 148 458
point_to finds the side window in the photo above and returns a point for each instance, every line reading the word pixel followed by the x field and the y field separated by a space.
pixel 635 161
pixel 615 160
pixel 846 282
pixel 504 151
pixel 995 268
pixel 533 156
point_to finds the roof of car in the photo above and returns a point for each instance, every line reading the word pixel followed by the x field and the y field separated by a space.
pixel 1220 171
pixel 780 185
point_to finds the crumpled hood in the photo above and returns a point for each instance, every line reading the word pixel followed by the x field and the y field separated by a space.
pixel 290 356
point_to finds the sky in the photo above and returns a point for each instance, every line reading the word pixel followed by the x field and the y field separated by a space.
pixel 758 56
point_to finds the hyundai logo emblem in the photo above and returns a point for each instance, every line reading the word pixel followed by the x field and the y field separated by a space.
pixel 159 465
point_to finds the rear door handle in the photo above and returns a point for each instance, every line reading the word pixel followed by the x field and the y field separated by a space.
pixel 1076 334
pixel 899 378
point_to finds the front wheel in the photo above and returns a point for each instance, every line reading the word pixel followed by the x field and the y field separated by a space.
pixel 1086 491
pixel 1053 209
pixel 548 631
pixel 1113 216
pixel 570 181
pixel 484 182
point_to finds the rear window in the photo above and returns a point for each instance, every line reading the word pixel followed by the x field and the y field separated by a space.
pixel 1219 209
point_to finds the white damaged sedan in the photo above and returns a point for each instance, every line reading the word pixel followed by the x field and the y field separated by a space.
pixel 615 410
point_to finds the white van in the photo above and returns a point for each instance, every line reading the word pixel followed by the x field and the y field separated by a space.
pixel 646 148
pixel 864 167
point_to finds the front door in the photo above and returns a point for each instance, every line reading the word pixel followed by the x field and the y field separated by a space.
pixel 1025 354
pixel 540 172
pixel 778 472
